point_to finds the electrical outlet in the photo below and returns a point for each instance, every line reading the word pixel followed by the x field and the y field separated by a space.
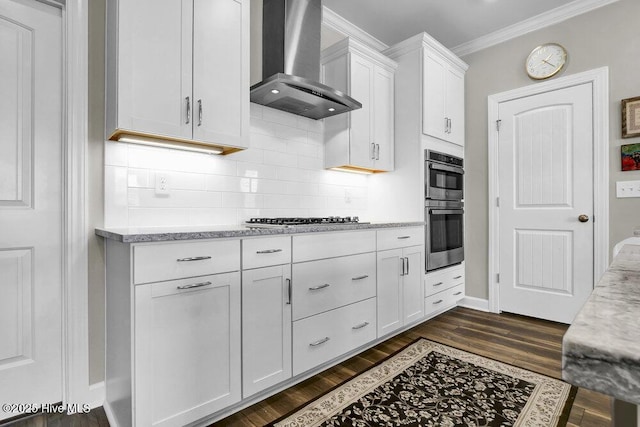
pixel 627 189
pixel 162 184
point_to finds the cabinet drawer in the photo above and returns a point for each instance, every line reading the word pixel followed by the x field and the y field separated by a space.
pixel 444 279
pixel 168 261
pixel 444 299
pixel 393 238
pixel 266 251
pixel 323 285
pixel 320 338
pixel 330 245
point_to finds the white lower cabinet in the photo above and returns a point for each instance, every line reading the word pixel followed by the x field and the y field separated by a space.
pixel 443 289
pixel 190 334
pixel 329 283
pixel 187 349
pixel 400 291
pixel 320 338
pixel 266 328
pixel 444 300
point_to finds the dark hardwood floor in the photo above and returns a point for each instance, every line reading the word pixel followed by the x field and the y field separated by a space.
pixel 522 341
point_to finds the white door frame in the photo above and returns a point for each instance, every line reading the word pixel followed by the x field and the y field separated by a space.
pixel 75 320
pixel 599 78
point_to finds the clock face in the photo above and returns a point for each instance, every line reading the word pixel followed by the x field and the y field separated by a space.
pixel 546 61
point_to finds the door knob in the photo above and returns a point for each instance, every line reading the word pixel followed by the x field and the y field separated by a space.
pixel 583 218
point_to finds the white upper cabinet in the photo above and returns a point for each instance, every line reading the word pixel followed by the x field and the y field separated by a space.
pixel 179 71
pixel 443 98
pixel 362 139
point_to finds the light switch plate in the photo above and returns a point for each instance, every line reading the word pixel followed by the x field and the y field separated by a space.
pixel 626 189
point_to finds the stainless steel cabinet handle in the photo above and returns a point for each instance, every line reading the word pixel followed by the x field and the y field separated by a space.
pixel 437 302
pixel 269 251
pixel 188 99
pixel 322 341
pixel 438 284
pixel 288 291
pixel 402 261
pixel 458 293
pixel 194 285
pixel 193 258
pixel 359 277
pixel 403 237
pixel 446 125
pixel 199 112
pixel 457 277
pixel 377 151
pixel 360 326
pixel 373 151
pixel 449 126
pixel 315 288
pixel 407 265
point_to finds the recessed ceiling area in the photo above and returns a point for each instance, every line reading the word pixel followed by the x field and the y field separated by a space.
pixel 451 22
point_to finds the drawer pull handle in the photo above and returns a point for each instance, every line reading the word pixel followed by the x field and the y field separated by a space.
pixel 194 285
pixel 457 277
pixel 437 302
pixel 316 288
pixel 317 343
pixel 193 258
pixel 269 251
pixel 438 284
pixel 360 326
pixel 359 277
pixel 404 237
pixel 458 293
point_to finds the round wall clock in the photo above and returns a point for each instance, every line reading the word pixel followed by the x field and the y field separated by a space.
pixel 546 61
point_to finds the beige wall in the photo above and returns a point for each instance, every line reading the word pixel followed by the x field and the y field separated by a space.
pixel 95 186
pixel 604 37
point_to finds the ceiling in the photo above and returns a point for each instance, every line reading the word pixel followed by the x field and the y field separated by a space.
pixel 451 22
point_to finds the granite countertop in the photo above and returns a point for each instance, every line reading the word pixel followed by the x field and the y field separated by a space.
pixel 601 348
pixel 161 234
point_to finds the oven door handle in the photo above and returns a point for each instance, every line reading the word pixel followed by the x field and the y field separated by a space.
pixel 446 168
pixel 445 211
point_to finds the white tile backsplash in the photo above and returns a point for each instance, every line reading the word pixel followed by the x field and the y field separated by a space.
pixel 281 174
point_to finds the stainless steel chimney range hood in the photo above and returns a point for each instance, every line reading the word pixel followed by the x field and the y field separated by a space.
pixel 291 62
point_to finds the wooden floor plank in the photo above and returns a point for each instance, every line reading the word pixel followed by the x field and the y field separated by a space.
pixel 532 344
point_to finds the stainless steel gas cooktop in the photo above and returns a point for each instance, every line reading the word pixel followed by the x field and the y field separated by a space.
pixel 296 222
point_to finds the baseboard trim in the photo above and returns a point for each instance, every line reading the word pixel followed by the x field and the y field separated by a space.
pixel 474 303
pixel 110 416
pixel 96 395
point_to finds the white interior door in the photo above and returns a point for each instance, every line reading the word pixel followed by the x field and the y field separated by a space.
pixel 30 203
pixel 545 185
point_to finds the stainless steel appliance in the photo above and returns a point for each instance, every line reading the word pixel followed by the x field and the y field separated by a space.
pixel 443 176
pixel 291 62
pixel 444 213
pixel 296 222
pixel 444 233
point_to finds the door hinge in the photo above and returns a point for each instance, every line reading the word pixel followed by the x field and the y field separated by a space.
pixel 498 202
pixel 498 123
pixel 498 278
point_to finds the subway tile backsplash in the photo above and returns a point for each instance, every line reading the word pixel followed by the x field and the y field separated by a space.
pixel 281 174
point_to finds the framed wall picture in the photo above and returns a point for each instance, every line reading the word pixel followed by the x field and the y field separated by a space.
pixel 630 154
pixel 631 117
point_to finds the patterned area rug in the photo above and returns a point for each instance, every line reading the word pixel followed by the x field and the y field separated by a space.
pixel 430 384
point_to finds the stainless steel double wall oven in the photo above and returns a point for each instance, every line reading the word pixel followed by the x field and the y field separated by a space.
pixel 444 214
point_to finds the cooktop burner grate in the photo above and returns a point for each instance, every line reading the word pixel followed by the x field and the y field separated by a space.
pixel 288 222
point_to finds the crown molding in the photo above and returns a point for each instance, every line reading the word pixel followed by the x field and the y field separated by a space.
pixel 424 40
pixel 348 44
pixel 341 25
pixel 551 17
